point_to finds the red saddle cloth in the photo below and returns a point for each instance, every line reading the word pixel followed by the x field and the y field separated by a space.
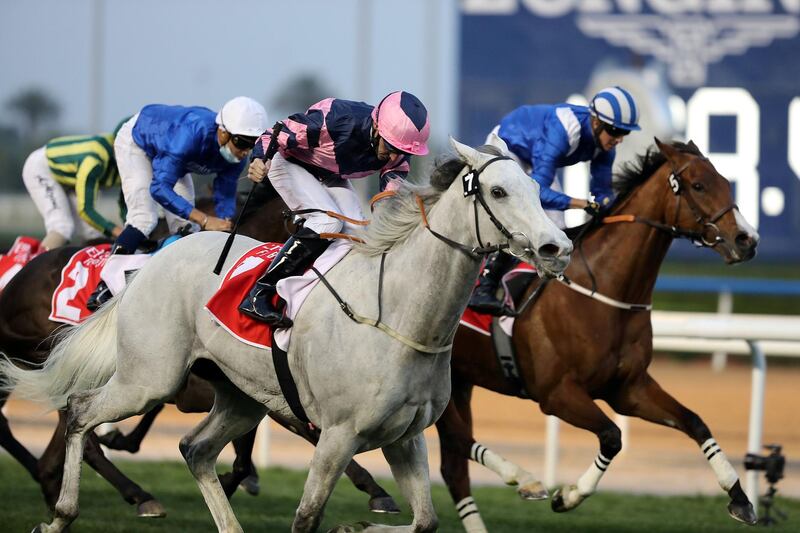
pixel 23 250
pixel 235 286
pixel 79 278
pixel 481 322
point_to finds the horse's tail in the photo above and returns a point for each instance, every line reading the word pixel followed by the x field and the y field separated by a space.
pixel 84 357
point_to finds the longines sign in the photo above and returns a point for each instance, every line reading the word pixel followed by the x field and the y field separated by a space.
pixel 687 35
pixel 732 67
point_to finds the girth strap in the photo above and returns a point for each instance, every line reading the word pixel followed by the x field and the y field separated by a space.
pixel 280 360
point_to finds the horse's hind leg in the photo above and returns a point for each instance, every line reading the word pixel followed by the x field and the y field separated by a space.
pixel 233 414
pixel 647 400
pixel 85 411
pixel 13 446
pixel 146 505
pixel 571 403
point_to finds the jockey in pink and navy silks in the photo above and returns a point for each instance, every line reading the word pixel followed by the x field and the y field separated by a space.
pixel 544 138
pixel 156 152
pixel 319 151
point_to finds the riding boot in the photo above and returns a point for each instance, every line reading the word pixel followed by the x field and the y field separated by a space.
pixel 297 254
pixel 484 297
pixel 102 293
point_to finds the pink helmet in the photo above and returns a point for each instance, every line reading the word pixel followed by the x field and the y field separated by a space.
pixel 402 121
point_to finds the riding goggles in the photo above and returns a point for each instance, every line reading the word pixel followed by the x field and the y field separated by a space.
pixel 615 131
pixel 242 142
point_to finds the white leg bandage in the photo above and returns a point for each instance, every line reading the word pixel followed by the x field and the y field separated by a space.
pixel 726 475
pixel 507 470
pixel 469 515
pixel 587 483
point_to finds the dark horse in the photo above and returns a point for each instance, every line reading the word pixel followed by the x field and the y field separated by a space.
pixel 572 349
pixel 26 335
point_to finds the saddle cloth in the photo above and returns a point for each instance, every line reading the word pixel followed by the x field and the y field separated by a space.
pixel 240 278
pixel 23 250
pixel 481 322
pixel 79 278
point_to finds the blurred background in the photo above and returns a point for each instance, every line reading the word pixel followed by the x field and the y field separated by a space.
pixel 724 74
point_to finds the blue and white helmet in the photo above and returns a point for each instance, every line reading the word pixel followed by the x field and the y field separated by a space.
pixel 615 106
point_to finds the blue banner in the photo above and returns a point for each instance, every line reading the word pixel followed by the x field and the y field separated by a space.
pixel 725 73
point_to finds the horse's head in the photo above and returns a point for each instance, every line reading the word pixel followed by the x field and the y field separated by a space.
pixel 508 208
pixel 703 203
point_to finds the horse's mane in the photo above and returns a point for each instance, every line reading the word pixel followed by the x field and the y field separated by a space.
pixel 397 216
pixel 633 174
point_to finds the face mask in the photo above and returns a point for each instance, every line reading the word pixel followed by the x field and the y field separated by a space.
pixel 226 154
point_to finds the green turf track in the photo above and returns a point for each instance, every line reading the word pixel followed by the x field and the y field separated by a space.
pixel 102 510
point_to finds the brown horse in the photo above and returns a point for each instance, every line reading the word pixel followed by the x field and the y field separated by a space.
pixel 26 335
pixel 573 349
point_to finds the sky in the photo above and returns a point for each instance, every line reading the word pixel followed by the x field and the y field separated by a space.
pixel 204 52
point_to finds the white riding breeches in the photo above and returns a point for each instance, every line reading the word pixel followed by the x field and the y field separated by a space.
pixel 57 205
pixel 136 174
pixel 300 190
pixel 553 214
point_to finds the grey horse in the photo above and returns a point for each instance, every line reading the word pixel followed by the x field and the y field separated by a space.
pixel 362 387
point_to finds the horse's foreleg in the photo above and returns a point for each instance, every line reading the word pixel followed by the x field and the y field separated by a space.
pixel 333 452
pixel 379 500
pixel 243 466
pixel 647 400
pixel 409 462
pixel 14 447
pixel 146 505
pixel 233 415
pixel 571 403
pixel 116 440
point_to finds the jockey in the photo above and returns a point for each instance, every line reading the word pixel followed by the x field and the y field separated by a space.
pixel 543 138
pixel 159 148
pixel 64 179
pixel 318 152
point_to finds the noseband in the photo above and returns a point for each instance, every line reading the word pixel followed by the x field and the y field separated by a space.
pixel 471 182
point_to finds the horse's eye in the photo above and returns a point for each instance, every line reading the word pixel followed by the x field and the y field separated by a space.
pixel 499 192
pixel 698 187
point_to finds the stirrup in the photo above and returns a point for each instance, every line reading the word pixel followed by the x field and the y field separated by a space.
pixel 101 295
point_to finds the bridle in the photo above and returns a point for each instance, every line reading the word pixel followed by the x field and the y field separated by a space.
pixel 471 182
pixel 709 237
pixel 699 238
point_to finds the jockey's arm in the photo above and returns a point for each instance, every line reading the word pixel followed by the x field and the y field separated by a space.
pixel 87 185
pixel 601 183
pixel 167 169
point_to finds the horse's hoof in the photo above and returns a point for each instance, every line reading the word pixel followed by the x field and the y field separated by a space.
pixel 383 504
pixel 566 499
pixel 533 491
pixel 350 528
pixel 251 485
pixel 743 512
pixel 151 509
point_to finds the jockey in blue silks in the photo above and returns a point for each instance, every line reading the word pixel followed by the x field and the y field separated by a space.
pixel 544 138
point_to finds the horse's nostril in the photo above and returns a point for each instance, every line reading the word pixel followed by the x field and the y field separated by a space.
pixel 548 250
pixel 743 239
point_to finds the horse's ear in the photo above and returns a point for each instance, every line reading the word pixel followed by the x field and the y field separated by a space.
pixel 693 146
pixel 496 141
pixel 667 149
pixel 469 155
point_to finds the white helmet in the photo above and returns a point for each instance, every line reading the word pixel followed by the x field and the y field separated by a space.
pixel 243 116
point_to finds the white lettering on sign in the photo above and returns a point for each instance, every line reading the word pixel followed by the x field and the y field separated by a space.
pixel 794 136
pixel 687 35
pixel 741 166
